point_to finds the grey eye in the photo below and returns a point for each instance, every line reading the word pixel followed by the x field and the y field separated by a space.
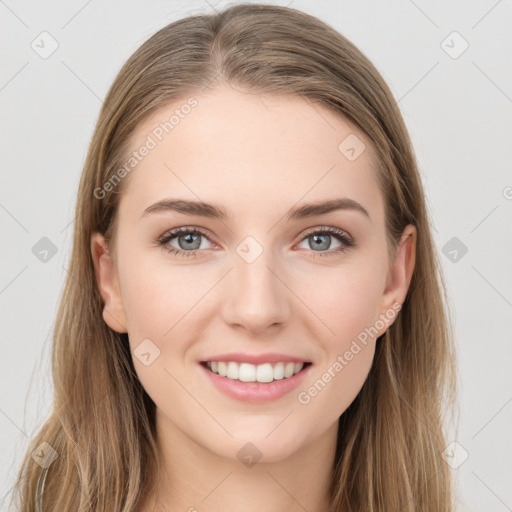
pixel 188 241
pixel 320 242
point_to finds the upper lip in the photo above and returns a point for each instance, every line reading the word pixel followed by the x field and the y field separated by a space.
pixel 256 358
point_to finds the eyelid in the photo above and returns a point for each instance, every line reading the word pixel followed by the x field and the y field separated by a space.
pixel 328 230
pixel 173 233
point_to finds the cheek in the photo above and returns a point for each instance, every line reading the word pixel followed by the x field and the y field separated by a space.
pixel 348 305
pixel 163 303
pixel 347 357
pixel 345 300
pixel 158 296
pixel 334 386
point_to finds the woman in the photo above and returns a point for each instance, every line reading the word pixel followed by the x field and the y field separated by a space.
pixel 294 356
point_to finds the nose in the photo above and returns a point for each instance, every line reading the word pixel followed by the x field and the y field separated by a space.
pixel 257 296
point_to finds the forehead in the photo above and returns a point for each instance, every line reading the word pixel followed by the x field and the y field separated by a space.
pixel 250 152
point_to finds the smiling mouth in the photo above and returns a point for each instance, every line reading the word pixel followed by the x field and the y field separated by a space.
pixel 262 373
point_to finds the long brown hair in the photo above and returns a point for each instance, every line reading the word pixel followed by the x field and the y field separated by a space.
pixel 102 426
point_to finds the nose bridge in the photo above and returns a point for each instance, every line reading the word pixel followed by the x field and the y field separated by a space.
pixel 258 298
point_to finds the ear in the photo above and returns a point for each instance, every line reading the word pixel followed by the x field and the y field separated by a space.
pixel 400 274
pixel 108 284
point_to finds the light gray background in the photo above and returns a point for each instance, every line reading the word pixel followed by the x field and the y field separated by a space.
pixel 458 111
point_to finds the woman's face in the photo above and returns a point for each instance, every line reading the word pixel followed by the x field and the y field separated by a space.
pixel 258 283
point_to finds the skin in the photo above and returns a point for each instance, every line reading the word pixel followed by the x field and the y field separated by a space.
pixel 258 156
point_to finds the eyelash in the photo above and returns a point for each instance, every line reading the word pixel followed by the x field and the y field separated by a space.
pixel 339 234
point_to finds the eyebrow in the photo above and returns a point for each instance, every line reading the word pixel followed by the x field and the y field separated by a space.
pixel 213 211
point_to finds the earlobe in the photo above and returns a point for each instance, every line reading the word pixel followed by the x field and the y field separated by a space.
pixel 108 285
pixel 401 271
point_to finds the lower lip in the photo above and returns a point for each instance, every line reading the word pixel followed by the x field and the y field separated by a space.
pixel 256 392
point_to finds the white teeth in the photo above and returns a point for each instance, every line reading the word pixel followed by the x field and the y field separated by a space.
pixel 264 373
pixel 222 369
pixel 247 372
pixel 289 369
pixel 279 371
pixel 232 372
